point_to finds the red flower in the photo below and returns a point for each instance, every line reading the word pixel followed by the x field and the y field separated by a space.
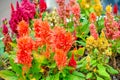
pixel 61 39
pixel 60 58
pixel 115 9
pixel 42 32
pixel 24 58
pixel 93 31
pixel 92 17
pixel 42 5
pixel 22 28
pixel 72 62
pixel 25 43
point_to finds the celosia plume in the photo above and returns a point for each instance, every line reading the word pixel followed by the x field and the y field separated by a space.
pixel 115 9
pixel 61 39
pixel 42 32
pixel 72 62
pixel 93 31
pixel 92 17
pixel 23 29
pixel 42 5
pixel 60 58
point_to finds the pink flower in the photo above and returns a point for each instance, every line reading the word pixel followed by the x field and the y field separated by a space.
pixel 76 11
pixel 93 31
pixel 42 5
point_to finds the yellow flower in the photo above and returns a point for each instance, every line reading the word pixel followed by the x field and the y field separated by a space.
pixel 97 1
pixel 33 79
pixel 108 8
pixel 88 58
pixel 98 9
pixel 108 52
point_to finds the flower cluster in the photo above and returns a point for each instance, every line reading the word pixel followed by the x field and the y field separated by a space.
pixel 42 32
pixel 101 44
pixel 61 39
pixel 23 29
pixel 93 31
pixel 42 5
pixel 92 17
pixel 112 27
pixel 25 11
pixel 25 45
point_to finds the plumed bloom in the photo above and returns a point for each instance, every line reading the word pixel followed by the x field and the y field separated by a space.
pixel 108 8
pixel 7 40
pixel 23 29
pixel 92 17
pixel 60 58
pixel 61 39
pixel 42 5
pixel 25 11
pixel 93 31
pixel 42 32
pixel 115 9
pixel 76 11
pixel 4 26
pixel 24 58
pixel 60 2
pixel 25 43
pixel 72 62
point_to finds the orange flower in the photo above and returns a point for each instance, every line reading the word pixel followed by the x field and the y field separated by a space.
pixel 42 32
pixel 60 58
pixel 23 29
pixel 25 43
pixel 92 17
pixel 61 39
pixel 24 58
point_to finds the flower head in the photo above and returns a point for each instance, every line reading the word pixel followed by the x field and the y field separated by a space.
pixel 92 17
pixel 76 10
pixel 24 58
pixel 115 9
pixel 61 39
pixel 108 8
pixel 93 31
pixel 42 5
pixel 25 43
pixel 22 28
pixel 72 62
pixel 42 32
pixel 60 58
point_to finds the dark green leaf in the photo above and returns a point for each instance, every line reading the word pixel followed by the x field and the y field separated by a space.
pixel 89 75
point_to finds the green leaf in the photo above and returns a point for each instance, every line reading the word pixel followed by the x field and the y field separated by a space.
pixel 81 43
pixel 76 73
pixel 99 78
pixel 111 70
pixel 8 75
pixel 102 72
pixel 89 75
pixel 81 51
pixel 56 77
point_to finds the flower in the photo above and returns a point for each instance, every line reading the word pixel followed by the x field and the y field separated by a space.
pixel 24 58
pixel 92 17
pixel 61 39
pixel 23 29
pixel 24 12
pixel 108 8
pixel 98 9
pixel 60 58
pixel 76 11
pixel 42 32
pixel 25 43
pixel 42 5
pixel 115 9
pixel 72 62
pixel 93 31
